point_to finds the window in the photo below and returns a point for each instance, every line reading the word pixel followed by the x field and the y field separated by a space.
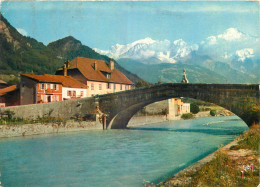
pixel 69 93
pixel 108 85
pixel 74 93
pixel 42 86
pixel 55 98
pixel 108 75
pixel 100 86
pixel 92 86
pixel 125 87
pixel 81 93
pixel 121 86
pixel 55 87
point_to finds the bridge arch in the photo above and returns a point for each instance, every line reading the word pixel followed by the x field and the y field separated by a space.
pixel 242 100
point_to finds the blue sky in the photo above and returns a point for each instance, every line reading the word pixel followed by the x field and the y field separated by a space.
pixel 103 24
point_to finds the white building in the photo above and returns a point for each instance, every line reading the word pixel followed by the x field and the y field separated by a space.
pixel 176 108
pixel 97 75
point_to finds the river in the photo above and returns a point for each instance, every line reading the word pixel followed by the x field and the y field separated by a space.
pixel 113 157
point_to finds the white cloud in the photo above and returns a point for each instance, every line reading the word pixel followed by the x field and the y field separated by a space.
pixel 232 34
pixel 147 53
pixel 244 54
pixel 211 40
pixel 22 31
pixel 227 56
pixel 229 44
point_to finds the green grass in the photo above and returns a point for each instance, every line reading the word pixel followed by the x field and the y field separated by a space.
pixel 20 121
pixel 7 118
pixel 249 140
pixel 222 172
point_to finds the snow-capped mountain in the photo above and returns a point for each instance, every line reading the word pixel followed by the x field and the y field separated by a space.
pixel 227 46
pixel 164 51
pixel 232 54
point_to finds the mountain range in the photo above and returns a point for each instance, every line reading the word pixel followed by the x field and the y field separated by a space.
pixel 21 54
pixel 232 55
pixel 147 59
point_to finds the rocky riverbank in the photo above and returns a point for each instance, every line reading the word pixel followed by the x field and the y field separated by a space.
pixel 72 126
pixel 48 128
pixel 236 164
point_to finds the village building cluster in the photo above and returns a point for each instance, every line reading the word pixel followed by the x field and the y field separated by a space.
pixel 78 78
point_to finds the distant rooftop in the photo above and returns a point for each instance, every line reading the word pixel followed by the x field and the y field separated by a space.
pixel 87 67
pixel 7 90
pixel 66 81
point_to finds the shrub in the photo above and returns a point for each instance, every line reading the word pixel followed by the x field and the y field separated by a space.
pixel 187 116
pixel 142 83
pixel 164 112
pixel 212 112
pixel 194 108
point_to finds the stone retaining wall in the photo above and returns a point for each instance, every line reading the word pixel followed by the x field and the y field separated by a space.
pixel 50 128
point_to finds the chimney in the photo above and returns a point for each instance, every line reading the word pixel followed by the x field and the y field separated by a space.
pixel 112 64
pixel 95 65
pixel 65 68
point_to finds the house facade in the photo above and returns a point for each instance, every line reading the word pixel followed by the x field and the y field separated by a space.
pixel 49 88
pixel 97 75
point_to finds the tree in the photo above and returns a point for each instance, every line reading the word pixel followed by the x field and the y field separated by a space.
pixel 194 108
pixel 212 112
pixel 141 84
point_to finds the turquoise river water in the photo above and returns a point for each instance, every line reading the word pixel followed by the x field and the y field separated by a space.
pixel 113 157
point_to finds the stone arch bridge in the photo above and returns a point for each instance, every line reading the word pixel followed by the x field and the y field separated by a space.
pixel 241 99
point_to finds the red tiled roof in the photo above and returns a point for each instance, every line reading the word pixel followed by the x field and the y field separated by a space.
pixel 66 81
pixel 86 67
pixel 7 90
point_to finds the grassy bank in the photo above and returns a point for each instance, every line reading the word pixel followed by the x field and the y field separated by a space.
pixel 7 118
pixel 237 165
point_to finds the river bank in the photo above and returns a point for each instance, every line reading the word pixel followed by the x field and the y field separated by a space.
pixel 235 164
pixel 7 131
pixel 74 126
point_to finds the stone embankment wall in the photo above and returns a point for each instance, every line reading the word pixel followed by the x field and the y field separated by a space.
pixel 49 128
pixel 63 109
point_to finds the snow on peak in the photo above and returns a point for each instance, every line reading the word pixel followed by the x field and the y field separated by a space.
pixel 144 41
pixel 147 48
